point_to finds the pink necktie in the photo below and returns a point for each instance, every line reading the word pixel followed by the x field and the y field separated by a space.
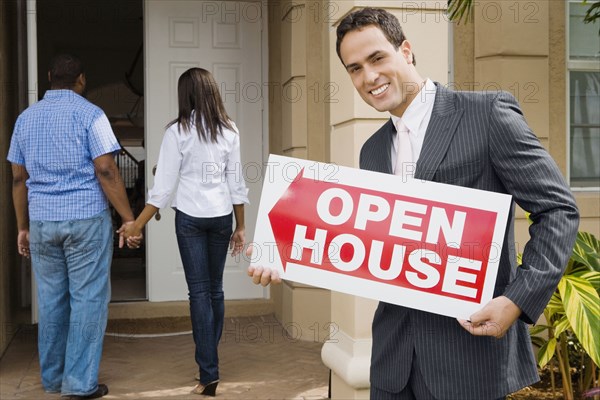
pixel 404 158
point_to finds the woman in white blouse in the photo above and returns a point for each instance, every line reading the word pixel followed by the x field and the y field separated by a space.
pixel 199 160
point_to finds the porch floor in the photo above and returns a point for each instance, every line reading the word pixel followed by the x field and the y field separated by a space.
pixel 258 360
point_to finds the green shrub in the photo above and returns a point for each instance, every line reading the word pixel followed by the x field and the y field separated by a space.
pixel 570 338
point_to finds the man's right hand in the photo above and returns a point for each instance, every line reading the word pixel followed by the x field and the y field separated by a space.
pixel 260 275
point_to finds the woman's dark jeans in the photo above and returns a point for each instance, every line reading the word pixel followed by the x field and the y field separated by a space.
pixel 203 245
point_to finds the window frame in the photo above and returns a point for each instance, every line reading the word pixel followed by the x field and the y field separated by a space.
pixel 574 66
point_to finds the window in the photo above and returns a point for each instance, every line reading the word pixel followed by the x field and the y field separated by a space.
pixel 583 64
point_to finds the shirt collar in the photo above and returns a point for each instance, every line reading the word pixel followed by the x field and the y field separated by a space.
pixel 53 94
pixel 417 110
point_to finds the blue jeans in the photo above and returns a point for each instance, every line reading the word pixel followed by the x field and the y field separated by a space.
pixel 203 244
pixel 71 262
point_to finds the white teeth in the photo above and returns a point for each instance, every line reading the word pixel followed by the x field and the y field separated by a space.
pixel 380 90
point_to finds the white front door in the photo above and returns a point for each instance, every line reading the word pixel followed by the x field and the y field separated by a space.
pixel 225 38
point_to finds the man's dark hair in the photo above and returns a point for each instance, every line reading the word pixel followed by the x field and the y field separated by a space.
pixel 64 70
pixel 387 22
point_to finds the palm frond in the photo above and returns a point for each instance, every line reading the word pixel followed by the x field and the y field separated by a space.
pixel 459 10
pixel 593 13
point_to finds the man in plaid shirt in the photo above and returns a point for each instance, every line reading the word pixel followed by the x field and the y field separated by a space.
pixel 64 174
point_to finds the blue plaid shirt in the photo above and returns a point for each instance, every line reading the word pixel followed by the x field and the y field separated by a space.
pixel 57 140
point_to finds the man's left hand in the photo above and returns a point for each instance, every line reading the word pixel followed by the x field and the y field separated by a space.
pixel 494 319
pixel 23 243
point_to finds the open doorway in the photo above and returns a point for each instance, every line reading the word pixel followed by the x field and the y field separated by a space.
pixel 108 37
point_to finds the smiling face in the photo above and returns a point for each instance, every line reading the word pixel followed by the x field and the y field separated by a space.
pixel 383 76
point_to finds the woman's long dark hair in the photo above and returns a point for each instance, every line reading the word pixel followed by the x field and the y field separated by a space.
pixel 198 93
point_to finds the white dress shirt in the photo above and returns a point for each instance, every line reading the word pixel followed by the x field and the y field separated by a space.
pixel 206 175
pixel 416 118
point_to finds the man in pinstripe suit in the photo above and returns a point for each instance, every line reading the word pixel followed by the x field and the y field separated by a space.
pixel 477 140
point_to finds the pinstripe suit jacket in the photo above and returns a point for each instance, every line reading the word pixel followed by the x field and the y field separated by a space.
pixel 478 140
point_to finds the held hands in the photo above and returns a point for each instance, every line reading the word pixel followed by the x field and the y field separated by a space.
pixel 494 319
pixel 23 243
pixel 260 275
pixel 130 233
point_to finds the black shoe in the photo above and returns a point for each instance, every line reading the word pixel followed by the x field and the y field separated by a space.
pixel 100 392
pixel 208 390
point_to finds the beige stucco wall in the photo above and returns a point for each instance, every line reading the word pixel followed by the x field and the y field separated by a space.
pixel 299 127
pixel 557 70
pixel 503 60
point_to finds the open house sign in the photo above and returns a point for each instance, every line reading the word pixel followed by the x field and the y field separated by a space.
pixel 425 245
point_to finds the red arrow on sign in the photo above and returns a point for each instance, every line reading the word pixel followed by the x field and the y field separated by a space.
pixel 419 244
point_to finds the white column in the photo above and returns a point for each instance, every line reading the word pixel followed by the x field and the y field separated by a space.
pixel 348 351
